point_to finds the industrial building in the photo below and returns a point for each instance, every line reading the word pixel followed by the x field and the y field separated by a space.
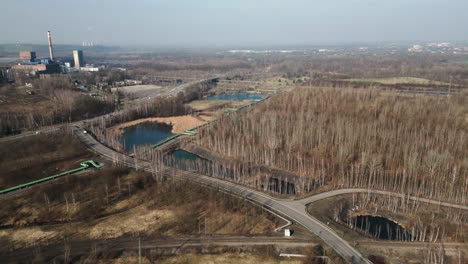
pixel 29 66
pixel 27 56
pixel 78 58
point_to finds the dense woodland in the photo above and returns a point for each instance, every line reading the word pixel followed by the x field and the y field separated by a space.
pixel 411 144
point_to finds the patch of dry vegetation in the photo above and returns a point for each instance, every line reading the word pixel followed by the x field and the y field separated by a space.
pixel 31 158
pixel 353 138
pixel 228 258
pixel 117 202
pixel 28 235
pixel 400 80
pixel 202 105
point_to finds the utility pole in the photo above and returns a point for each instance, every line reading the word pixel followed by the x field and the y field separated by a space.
pixel 450 86
pixel 139 250
pixel 205 225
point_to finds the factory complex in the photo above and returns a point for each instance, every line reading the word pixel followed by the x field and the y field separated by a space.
pixel 31 66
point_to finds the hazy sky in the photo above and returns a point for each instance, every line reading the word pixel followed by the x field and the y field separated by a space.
pixel 232 22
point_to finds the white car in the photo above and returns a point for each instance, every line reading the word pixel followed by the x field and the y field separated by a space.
pixel 85 132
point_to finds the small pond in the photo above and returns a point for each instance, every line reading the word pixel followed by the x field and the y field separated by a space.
pixel 188 161
pixel 381 227
pixel 144 134
pixel 236 96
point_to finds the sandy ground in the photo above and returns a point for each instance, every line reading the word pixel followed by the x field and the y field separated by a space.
pixel 179 123
pixel 202 105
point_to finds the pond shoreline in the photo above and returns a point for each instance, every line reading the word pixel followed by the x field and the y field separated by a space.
pixel 179 123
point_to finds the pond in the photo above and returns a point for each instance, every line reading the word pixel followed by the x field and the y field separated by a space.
pixel 144 134
pixel 381 227
pixel 236 96
pixel 188 161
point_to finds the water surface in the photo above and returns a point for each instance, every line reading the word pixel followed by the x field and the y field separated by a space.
pixel 236 96
pixel 145 134
pixel 381 227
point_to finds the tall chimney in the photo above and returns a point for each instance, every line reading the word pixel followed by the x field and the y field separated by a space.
pixel 51 51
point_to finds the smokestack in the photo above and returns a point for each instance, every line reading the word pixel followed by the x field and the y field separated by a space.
pixel 51 51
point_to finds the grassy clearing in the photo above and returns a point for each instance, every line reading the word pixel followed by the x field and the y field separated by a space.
pixel 39 156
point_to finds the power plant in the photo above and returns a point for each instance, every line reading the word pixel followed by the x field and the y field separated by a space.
pixel 31 66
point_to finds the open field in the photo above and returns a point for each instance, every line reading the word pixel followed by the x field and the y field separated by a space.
pixel 31 158
pixel 401 80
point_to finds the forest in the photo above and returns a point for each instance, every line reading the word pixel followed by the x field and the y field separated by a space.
pixel 339 138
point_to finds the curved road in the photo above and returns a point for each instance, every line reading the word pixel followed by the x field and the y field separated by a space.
pixel 294 210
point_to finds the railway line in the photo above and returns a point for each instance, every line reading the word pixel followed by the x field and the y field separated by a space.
pixel 163 244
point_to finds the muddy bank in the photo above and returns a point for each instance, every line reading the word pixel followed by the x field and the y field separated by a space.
pixel 179 123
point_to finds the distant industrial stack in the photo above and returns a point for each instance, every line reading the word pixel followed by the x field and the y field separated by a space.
pixel 78 58
pixel 51 50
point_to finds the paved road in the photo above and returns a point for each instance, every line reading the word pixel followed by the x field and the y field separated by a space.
pixel 329 194
pixel 289 208
pixel 173 92
pixel 293 209
pixel 172 244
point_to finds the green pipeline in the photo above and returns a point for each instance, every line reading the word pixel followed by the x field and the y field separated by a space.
pixel 84 165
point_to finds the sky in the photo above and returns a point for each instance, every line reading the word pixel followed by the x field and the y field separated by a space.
pixel 232 23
